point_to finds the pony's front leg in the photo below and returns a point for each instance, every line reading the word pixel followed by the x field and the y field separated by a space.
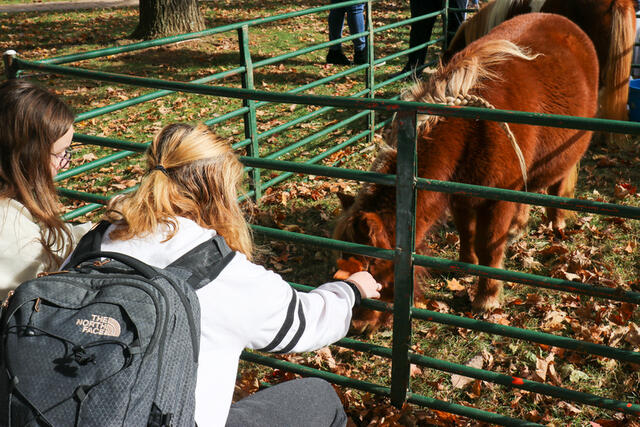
pixel 491 237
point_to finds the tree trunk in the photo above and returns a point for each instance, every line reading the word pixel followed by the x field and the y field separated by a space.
pixel 161 18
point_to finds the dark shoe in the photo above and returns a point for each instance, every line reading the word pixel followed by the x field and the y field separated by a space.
pixel 406 69
pixel 360 57
pixel 337 57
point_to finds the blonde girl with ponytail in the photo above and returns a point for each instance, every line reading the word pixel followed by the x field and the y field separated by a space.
pixel 190 194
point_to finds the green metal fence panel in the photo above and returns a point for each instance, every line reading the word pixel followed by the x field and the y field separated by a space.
pixel 366 105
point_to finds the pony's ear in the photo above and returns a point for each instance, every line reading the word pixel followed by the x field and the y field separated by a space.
pixel 346 200
pixel 377 230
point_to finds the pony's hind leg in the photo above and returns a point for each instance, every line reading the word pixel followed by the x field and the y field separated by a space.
pixel 519 222
pixel 492 234
pixel 465 219
pixel 565 187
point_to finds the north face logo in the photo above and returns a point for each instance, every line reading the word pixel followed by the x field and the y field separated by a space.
pixel 100 325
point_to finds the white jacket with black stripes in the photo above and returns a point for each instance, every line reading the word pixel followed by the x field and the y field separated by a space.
pixel 246 306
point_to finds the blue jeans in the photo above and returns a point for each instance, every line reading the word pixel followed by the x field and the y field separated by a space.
pixel 355 20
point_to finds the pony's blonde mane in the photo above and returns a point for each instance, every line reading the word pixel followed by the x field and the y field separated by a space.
pixel 468 71
pixel 453 85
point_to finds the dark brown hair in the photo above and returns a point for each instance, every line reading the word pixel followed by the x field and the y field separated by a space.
pixel 31 121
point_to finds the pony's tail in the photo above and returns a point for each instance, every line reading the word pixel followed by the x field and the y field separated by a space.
pixel 615 88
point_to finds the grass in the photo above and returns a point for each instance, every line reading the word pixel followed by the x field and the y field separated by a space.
pixel 596 249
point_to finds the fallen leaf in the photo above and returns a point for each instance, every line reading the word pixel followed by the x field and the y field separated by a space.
pixel 454 285
pixel 459 381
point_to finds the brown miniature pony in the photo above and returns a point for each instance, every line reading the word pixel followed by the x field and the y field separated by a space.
pixel 540 63
pixel 610 24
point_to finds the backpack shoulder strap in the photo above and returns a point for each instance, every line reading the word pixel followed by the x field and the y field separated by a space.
pixel 204 262
pixel 89 243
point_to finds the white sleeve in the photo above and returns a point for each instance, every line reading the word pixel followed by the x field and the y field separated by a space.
pixel 269 315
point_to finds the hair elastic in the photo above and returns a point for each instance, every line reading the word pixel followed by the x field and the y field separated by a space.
pixel 161 168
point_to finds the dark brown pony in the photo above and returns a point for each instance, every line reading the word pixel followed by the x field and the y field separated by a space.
pixel 610 24
pixel 536 62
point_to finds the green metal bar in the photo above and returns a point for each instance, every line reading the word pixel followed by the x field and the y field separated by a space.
pixel 313 48
pixel 469 190
pixel 615 294
pixel 408 21
pixel 85 197
pixel 445 25
pixel 527 335
pixel 190 36
pixel 320 82
pixel 150 96
pixel 250 121
pixel 322 241
pixel 317 158
pixel 315 136
pixel 370 71
pixel 497 378
pixel 111 143
pixel 524 384
pixel 408 51
pixel 92 165
pixel 383 391
pixel 407 162
pixel 81 211
pixel 402 76
pixel 307 371
pixel 460 267
pixel 454 408
pixel 550 120
pixel 227 116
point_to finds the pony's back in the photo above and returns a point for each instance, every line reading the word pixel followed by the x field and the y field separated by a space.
pixel 610 24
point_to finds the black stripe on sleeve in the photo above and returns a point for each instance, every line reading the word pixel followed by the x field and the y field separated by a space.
pixel 301 328
pixel 288 321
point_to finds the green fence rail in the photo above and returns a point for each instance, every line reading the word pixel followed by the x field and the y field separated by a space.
pixel 365 105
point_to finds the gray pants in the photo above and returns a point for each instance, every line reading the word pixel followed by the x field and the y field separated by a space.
pixel 309 402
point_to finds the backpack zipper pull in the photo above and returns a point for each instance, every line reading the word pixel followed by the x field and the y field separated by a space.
pixel 5 303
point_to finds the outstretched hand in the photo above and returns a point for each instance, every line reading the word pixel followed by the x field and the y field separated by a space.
pixel 366 284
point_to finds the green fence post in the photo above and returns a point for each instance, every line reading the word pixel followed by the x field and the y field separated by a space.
pixel 9 66
pixel 250 125
pixel 371 71
pixel 445 25
pixel 403 260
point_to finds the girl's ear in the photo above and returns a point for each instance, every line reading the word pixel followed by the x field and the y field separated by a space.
pixel 346 200
pixel 377 230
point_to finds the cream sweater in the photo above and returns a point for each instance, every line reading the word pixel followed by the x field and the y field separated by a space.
pixel 22 256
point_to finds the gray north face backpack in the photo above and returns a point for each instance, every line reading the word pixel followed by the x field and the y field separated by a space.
pixel 109 341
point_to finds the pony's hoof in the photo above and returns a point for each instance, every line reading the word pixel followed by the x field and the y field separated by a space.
pixel 485 303
pixel 363 328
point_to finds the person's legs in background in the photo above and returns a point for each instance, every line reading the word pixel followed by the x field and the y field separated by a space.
pixel 420 31
pixel 355 19
pixel 309 402
pixel 336 23
pixel 455 18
